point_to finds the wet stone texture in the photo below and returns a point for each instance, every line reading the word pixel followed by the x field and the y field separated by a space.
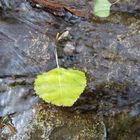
pixel 69 125
pixel 19 45
pixel 107 49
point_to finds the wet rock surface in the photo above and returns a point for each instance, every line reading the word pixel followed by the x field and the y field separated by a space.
pixel 69 125
pixel 106 49
pixel 19 45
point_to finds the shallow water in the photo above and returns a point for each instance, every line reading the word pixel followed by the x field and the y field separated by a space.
pixel 106 49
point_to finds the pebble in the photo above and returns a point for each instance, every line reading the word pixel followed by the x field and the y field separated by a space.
pixel 69 49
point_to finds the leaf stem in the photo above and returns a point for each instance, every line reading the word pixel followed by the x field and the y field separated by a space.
pixel 56 57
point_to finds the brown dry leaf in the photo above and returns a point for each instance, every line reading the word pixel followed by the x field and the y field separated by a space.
pixel 61 36
pixel 59 6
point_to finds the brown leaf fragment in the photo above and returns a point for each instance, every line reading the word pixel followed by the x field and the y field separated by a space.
pixel 1 126
pixel 11 129
pixel 54 7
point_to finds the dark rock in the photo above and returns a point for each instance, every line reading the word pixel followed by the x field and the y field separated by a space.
pixel 19 45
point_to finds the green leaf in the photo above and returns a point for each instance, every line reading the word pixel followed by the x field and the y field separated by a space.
pixel 60 86
pixel 102 8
